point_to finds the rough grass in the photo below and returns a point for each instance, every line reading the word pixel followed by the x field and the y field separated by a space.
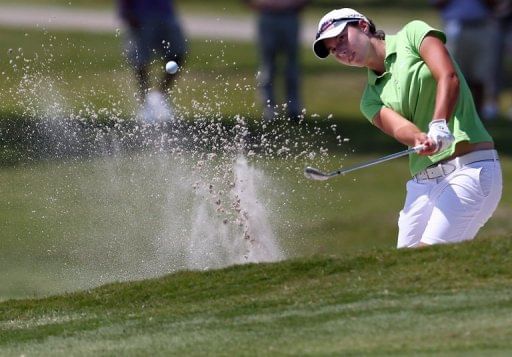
pixel 442 300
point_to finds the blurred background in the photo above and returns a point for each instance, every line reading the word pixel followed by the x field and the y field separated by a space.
pixel 92 195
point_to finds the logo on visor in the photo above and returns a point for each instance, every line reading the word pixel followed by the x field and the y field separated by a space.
pixel 328 23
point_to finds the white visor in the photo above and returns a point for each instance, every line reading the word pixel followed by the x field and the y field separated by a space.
pixel 331 25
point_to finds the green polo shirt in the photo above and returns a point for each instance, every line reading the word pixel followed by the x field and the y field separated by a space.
pixel 408 87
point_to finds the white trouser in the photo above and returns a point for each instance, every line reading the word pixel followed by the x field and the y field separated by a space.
pixel 452 207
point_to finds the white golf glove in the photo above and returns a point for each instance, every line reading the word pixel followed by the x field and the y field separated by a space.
pixel 439 132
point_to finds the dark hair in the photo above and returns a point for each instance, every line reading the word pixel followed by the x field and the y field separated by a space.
pixel 381 35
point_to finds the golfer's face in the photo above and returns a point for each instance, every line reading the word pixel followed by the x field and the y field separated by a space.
pixel 348 47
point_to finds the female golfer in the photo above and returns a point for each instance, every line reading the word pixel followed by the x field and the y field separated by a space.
pixel 416 94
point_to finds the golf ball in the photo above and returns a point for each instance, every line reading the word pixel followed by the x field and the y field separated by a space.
pixel 171 67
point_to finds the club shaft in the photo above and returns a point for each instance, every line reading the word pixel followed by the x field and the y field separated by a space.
pixel 375 162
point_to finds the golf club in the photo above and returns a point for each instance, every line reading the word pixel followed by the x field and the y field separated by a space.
pixel 315 174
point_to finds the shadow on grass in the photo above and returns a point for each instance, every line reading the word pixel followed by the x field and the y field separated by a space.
pixel 27 139
pixel 365 138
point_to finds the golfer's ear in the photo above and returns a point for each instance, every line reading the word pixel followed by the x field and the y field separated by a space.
pixel 364 26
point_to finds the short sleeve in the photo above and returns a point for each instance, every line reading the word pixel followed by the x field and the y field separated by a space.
pixel 371 103
pixel 415 32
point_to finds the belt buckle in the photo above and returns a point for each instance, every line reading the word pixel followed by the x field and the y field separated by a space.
pixel 437 170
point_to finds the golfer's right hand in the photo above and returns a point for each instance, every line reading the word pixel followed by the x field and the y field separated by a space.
pixel 440 134
pixel 429 146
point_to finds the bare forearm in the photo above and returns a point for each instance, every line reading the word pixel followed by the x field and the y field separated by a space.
pixel 397 127
pixel 404 131
pixel 407 134
pixel 438 60
pixel 446 97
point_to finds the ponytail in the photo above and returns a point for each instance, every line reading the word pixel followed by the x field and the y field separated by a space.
pixel 381 35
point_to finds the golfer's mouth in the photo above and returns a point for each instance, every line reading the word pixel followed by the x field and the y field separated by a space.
pixel 343 57
pixel 346 58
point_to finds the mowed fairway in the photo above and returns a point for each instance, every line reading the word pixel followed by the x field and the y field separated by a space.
pixel 448 300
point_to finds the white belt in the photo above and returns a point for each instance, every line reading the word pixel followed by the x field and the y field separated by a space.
pixel 445 168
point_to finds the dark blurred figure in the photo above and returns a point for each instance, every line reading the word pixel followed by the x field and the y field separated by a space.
pixel 279 34
pixel 152 29
pixel 469 31
pixel 502 13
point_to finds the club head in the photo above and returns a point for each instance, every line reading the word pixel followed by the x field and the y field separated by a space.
pixel 315 174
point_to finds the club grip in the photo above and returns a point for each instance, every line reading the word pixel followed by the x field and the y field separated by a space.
pixel 418 148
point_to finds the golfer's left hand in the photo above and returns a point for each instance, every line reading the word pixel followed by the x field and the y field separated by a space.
pixel 439 132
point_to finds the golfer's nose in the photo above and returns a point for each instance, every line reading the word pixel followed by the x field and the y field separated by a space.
pixel 341 49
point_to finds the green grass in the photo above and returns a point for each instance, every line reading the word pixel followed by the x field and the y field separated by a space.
pixel 78 71
pixel 445 300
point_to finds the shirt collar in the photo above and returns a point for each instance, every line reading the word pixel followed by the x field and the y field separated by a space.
pixel 390 56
